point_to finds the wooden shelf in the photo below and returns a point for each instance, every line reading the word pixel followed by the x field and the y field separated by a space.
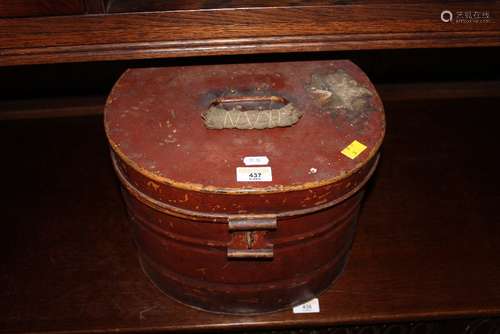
pixel 426 248
pixel 124 30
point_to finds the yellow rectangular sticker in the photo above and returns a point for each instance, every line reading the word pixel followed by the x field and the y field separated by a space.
pixel 353 149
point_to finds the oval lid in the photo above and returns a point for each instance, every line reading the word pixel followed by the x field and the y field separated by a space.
pixel 153 120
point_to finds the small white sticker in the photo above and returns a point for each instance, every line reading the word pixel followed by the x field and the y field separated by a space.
pixel 311 306
pixel 256 161
pixel 254 174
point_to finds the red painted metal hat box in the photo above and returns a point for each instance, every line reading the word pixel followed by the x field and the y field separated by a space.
pixel 244 220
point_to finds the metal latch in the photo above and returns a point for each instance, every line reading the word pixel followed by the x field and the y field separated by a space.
pixel 248 238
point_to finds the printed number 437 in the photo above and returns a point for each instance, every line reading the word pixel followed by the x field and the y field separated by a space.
pixel 255 175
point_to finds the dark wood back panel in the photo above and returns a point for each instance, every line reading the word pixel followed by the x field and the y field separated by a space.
pixel 20 8
pixel 382 66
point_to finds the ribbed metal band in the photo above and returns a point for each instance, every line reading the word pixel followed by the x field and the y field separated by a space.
pixel 199 215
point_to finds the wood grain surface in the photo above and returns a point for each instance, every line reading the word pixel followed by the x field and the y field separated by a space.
pixel 426 248
pixel 245 30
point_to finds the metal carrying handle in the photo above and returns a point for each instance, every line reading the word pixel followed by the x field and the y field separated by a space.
pixel 242 99
pixel 249 224
pixel 250 112
pixel 264 253
pixel 248 238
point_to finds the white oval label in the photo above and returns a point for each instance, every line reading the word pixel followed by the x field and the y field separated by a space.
pixel 256 161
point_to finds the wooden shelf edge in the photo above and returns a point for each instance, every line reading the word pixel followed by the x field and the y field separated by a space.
pixel 182 33
pixel 246 46
pixel 302 323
